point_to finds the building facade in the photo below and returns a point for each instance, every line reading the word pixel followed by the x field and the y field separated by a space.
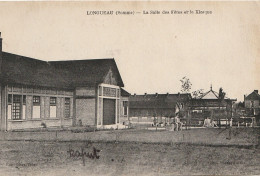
pixel 124 102
pixel 252 103
pixel 210 105
pixel 159 107
pixel 36 93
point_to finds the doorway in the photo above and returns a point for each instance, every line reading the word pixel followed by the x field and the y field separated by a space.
pixel 109 111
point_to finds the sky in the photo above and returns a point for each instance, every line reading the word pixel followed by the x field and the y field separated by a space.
pixel 152 51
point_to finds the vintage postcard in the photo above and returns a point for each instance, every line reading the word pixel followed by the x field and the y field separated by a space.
pixel 129 88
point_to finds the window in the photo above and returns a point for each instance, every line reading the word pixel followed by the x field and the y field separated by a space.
pixel 36 100
pixel 252 104
pixel 9 110
pixel 24 106
pixel 53 101
pixel 24 99
pixel 125 108
pixel 67 107
pixel 10 97
pixel 53 108
pixel 16 109
pixel 36 107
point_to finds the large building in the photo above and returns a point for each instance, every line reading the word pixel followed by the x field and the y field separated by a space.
pixel 162 107
pixel 37 93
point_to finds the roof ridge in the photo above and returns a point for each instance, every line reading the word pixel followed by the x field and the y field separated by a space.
pixel 81 60
pixel 203 95
pixel 27 57
pixel 214 92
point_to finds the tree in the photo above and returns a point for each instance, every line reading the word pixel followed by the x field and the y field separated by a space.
pixel 185 85
pixel 221 94
pixel 185 88
pixel 221 97
pixel 198 93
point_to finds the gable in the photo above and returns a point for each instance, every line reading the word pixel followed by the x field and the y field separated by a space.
pixel 253 96
pixel 210 95
pixel 110 78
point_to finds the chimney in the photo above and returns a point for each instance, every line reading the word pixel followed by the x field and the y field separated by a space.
pixel 256 91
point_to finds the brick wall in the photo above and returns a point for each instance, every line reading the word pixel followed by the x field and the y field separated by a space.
pixel 85 110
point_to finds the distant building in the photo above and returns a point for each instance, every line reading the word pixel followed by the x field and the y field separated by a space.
pixel 124 104
pixel 252 104
pixel 210 105
pixel 239 110
pixel 36 93
pixel 144 108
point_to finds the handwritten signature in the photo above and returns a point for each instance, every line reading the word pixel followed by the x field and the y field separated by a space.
pixel 82 154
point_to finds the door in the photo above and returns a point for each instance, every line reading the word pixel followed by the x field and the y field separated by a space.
pixel 109 111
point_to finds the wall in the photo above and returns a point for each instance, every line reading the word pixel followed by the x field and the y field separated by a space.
pixel 85 111
pixel 248 103
pixel 3 107
pixel 29 124
pixel 123 118
pixel 29 121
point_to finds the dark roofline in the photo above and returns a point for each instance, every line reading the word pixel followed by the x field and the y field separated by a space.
pixel 199 99
pixel 25 57
pixel 15 59
pixel 124 93
pixel 81 60
pixel 146 94
pixel 254 92
pixel 40 60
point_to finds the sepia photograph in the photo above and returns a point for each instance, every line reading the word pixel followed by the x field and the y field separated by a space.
pixel 128 88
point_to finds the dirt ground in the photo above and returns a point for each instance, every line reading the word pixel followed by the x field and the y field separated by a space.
pixel 125 158
pixel 131 152
pixel 214 136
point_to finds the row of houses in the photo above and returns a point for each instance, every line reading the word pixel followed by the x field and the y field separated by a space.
pixel 163 107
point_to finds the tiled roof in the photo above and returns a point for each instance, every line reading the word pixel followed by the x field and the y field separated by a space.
pixel 157 100
pixel 253 96
pixel 211 94
pixel 57 74
pixel 124 93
